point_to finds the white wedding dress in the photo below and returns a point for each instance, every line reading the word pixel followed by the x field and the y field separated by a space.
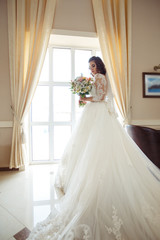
pixel 111 189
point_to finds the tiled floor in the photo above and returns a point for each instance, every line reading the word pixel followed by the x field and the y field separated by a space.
pixel 26 198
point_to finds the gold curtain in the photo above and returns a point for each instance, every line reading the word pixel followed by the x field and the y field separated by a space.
pixel 29 27
pixel 113 23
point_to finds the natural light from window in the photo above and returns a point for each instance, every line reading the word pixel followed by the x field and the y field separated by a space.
pixel 55 109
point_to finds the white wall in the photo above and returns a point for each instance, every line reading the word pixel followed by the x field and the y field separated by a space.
pixel 5 99
pixel 145 55
pixel 75 15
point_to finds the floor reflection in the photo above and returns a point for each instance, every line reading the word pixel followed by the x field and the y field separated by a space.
pixel 43 192
pixel 26 197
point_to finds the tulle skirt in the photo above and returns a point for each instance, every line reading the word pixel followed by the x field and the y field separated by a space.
pixel 111 189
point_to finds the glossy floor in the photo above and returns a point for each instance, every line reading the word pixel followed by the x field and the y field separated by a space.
pixel 26 197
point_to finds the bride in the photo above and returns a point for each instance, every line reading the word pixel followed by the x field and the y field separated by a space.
pixel 111 190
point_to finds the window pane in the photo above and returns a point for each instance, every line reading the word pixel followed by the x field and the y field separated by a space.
pixel 40 104
pixel 45 69
pixel 40 142
pixel 61 65
pixel 61 137
pixel 56 110
pixel 99 54
pixel 81 63
pixel 62 103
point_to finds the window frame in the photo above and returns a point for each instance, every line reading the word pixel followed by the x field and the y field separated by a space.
pixel 51 123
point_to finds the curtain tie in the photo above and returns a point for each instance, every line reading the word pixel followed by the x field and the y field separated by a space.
pixel 21 124
pixel 16 117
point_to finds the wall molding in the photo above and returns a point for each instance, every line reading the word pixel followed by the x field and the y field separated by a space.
pixel 74 33
pixel 6 124
pixel 154 123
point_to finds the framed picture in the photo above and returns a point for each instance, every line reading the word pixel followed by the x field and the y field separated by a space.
pixel 151 85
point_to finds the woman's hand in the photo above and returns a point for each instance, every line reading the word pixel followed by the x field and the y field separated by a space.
pixel 82 98
pixel 82 101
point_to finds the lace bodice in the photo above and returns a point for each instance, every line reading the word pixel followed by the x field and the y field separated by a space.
pixel 101 91
pixel 99 88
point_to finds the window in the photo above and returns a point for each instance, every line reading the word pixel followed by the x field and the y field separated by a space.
pixel 54 108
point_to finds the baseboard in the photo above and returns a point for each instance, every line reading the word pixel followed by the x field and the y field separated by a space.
pixel 8 169
pixel 147 123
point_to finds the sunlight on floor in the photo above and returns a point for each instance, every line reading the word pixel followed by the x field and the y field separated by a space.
pixel 26 198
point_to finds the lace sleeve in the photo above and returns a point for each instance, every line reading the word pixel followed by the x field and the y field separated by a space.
pixel 99 88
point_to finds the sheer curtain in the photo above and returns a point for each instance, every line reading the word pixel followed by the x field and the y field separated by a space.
pixel 113 23
pixel 29 26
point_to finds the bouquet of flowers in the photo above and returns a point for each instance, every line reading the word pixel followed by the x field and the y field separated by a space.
pixel 81 86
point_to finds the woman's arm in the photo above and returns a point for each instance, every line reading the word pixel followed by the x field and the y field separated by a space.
pixel 86 99
pixel 100 86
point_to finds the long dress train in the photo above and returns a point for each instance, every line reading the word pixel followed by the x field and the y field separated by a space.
pixel 112 190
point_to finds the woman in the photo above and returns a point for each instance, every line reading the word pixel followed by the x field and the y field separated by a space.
pixel 110 187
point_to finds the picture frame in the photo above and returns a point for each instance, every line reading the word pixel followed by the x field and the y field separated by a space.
pixel 151 84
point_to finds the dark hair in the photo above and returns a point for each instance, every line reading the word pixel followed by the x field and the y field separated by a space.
pixel 99 63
